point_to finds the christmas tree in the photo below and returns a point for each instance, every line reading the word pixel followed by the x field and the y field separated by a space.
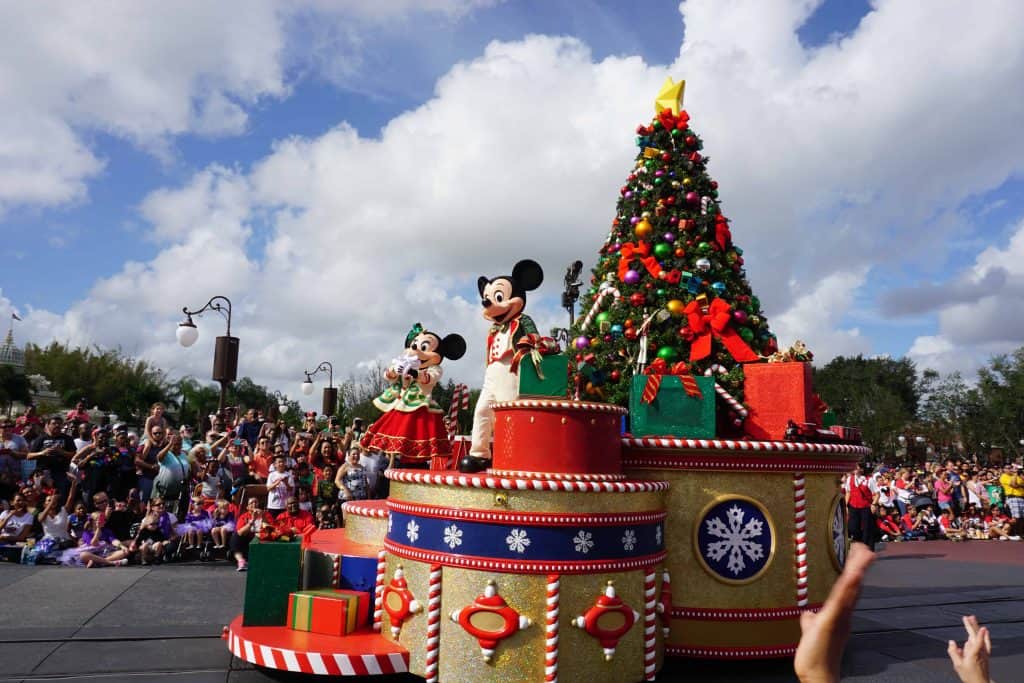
pixel 669 282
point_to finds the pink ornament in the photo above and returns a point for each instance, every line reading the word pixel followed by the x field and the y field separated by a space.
pixel 582 342
pixel 633 220
pixel 629 194
pixel 668 237
pixel 631 277
pixel 692 198
pixel 740 317
pixel 673 220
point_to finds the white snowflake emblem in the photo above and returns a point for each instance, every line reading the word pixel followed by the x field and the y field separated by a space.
pixel 737 539
pixel 452 536
pixel 391 523
pixel 629 539
pixel 583 541
pixel 412 530
pixel 517 540
pixel 657 534
pixel 839 535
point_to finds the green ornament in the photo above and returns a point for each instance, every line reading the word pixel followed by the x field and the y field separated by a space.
pixel 656 124
pixel 602 317
pixel 659 181
pixel 739 251
pixel 662 250
pixel 660 292
pixel 713 193
pixel 747 334
pixel 667 354
pixel 754 301
pixel 703 247
pixel 649 164
pixel 676 133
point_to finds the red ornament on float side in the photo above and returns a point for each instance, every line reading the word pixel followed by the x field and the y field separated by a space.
pixel 607 620
pixel 490 620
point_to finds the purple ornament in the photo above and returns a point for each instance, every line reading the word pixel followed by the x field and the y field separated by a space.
pixel 607 337
pixel 582 342
pixel 615 247
pixel 634 220
pixel 692 198
pixel 668 237
pixel 740 317
pixel 631 277
pixel 659 173
pixel 629 194
pixel 673 220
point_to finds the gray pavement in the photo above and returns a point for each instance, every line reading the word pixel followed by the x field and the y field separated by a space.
pixel 164 623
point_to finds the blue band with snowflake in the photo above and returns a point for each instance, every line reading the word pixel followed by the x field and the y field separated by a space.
pixel 524 541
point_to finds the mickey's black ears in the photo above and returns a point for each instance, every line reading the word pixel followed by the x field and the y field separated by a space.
pixel 481 282
pixel 527 275
pixel 452 347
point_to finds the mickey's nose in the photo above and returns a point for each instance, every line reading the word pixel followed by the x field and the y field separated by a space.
pixel 486 303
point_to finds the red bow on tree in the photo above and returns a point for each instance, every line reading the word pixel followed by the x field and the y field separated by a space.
pixel 640 251
pixel 723 237
pixel 670 121
pixel 654 374
pixel 713 319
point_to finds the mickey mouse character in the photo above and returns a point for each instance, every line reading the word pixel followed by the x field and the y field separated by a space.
pixel 503 299
pixel 412 425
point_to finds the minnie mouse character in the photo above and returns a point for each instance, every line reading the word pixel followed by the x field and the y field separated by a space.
pixel 503 299
pixel 412 425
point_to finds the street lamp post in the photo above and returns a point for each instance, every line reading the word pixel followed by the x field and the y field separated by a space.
pixel 225 354
pixel 330 400
pixel 282 403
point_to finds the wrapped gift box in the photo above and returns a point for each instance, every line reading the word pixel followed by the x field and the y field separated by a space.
pixel 828 419
pixel 673 412
pixel 851 434
pixel 320 570
pixel 555 371
pixel 776 393
pixel 275 569
pixel 329 612
pixel 359 606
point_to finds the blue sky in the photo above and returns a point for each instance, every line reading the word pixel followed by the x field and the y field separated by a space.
pixel 394 67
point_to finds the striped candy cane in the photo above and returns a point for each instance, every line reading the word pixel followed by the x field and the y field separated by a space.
pixel 800 519
pixel 460 401
pixel 378 591
pixel 650 611
pixel 665 603
pixel 705 204
pixel 735 406
pixel 551 631
pixel 433 623
pixel 603 293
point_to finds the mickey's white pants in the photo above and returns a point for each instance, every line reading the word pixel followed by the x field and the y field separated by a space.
pixel 499 385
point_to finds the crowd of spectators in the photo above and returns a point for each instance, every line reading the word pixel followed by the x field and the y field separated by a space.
pixel 82 494
pixel 955 500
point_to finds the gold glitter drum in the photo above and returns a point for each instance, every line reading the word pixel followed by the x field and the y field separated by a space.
pixel 757 528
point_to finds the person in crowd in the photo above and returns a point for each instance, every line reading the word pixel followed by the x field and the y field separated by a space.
pixel 280 487
pixel 78 415
pixel 53 519
pixel 912 526
pixel 249 524
pixel 123 476
pixel 304 477
pixel 98 546
pixel 976 494
pixel 1013 493
pixel 13 450
pixel 187 434
pixel 52 450
pixel 29 425
pixel 930 523
pixel 237 462
pixel 951 526
pixel 973 523
pixel 16 524
pixel 859 501
pixel 301 445
pixel 147 462
pixel 351 478
pixel 904 486
pixel 372 462
pixel 326 517
pixel 998 525
pixel 77 521
pixel 887 526
pixel 222 523
pixel 196 525
pixel 83 434
pixel 250 426
pixel 305 496
pixel 210 487
pixel 156 419
pixel 156 531
pixel 325 491
pixel 323 450
pixel 294 521
pixel 262 459
pixel 943 491
pixel 174 474
pixel 94 462
pixel 125 515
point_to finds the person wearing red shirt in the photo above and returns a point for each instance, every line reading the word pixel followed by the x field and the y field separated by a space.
pixel 859 501
pixel 78 415
pixel 294 521
pixel 262 459
pixel 247 528
pixel 28 425
pixel 887 525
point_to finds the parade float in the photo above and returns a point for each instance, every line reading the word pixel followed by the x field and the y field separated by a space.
pixel 667 486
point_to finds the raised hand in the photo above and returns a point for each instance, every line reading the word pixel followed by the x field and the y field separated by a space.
pixel 971 661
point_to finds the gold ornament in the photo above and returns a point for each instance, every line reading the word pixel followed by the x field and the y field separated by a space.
pixel 675 307
pixel 643 228
pixel 687 181
pixel 670 96
pixel 652 152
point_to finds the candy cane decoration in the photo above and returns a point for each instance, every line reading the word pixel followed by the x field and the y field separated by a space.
pixel 460 401
pixel 378 591
pixel 551 631
pixel 665 603
pixel 650 610
pixel 603 293
pixel 735 406
pixel 800 519
pixel 433 623
pixel 705 204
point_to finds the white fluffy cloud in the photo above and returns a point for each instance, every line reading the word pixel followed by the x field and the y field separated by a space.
pixel 830 160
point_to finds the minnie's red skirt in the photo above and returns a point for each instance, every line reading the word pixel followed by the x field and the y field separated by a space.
pixel 415 436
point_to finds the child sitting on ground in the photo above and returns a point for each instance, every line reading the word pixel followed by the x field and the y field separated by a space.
pixel 887 526
pixel 951 526
pixel 223 524
pixel 196 525
pixel 997 525
pixel 77 520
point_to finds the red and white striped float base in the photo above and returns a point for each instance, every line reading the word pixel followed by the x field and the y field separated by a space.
pixel 363 653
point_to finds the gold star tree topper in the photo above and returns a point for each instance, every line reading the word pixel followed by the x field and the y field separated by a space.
pixel 670 96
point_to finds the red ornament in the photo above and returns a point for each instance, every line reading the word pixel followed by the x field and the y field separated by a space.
pixel 399 602
pixel 648 285
pixel 671 200
pixel 629 322
pixel 622 618
pixel 695 157
pixel 624 189
pixel 490 620
pixel 637 299
pixel 643 203
pixel 631 177
pixel 631 334
pixel 690 140
pixel 615 375
pixel 666 157
pixel 714 184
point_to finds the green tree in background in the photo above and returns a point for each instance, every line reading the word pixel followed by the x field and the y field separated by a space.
pixel 14 386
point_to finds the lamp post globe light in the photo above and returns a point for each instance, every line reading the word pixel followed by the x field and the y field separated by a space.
pixel 330 399
pixel 225 354
pixel 282 403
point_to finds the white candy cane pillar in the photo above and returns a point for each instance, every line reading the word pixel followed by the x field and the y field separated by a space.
pixel 650 614
pixel 800 538
pixel 433 623
pixel 378 591
pixel 551 630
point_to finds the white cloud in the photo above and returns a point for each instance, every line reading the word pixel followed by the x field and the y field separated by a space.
pixel 830 161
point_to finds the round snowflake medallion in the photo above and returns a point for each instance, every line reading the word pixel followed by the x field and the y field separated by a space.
pixel 837 533
pixel 735 539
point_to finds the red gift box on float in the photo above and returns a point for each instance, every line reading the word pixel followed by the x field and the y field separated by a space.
pixel 776 393
pixel 330 612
